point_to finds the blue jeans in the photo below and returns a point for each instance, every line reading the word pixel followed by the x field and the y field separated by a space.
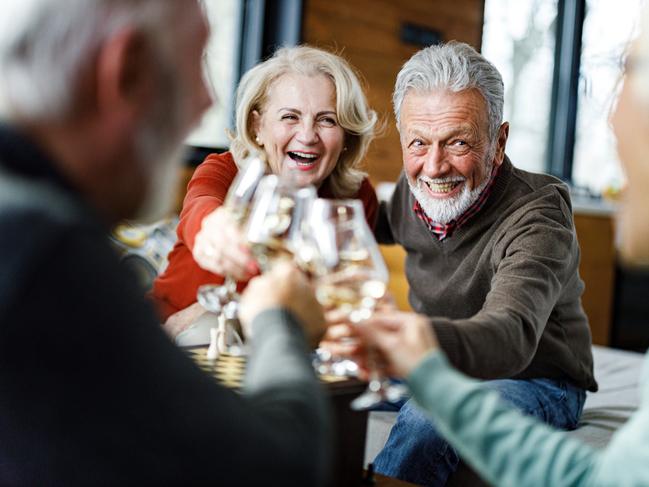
pixel 416 453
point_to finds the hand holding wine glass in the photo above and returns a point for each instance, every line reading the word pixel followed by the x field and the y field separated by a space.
pixel 403 339
pixel 286 287
pixel 221 247
pixel 349 274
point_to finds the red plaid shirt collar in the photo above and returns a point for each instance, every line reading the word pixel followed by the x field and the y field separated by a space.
pixel 442 231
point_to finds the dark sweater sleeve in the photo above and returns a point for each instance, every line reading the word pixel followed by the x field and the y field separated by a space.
pixel 382 231
pixel 367 195
pixel 95 393
pixel 391 213
pixel 535 260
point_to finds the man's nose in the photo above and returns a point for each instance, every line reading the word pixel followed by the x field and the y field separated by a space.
pixel 435 165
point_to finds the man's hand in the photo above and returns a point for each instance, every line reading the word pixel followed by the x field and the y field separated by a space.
pixel 402 339
pixel 221 248
pixel 283 287
pixel 341 337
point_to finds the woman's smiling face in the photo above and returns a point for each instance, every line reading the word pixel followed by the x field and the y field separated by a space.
pixel 298 127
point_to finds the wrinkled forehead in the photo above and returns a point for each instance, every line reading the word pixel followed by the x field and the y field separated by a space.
pixel 468 104
pixel 294 86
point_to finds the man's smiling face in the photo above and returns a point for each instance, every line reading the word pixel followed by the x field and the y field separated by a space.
pixel 447 153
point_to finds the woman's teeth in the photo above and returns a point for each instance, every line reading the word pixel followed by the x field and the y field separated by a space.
pixel 302 158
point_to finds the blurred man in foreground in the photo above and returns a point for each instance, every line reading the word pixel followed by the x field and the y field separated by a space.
pixel 97 96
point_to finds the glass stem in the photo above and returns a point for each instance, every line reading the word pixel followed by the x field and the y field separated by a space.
pixel 376 378
pixel 230 285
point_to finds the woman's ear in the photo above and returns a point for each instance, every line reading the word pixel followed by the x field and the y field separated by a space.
pixel 255 119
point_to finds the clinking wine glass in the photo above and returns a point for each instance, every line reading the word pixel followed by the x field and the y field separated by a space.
pixel 350 275
pixel 273 227
pixel 216 298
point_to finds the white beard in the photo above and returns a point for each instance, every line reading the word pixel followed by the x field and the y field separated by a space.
pixel 162 186
pixel 443 211
pixel 160 151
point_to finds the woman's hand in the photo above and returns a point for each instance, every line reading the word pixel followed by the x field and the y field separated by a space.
pixel 221 248
pixel 402 339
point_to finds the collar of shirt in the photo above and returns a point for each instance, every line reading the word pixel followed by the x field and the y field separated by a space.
pixel 441 230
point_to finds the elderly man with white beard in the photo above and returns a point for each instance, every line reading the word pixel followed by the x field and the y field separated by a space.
pixel 492 256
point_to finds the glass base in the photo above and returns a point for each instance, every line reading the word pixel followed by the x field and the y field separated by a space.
pixel 326 364
pixel 379 391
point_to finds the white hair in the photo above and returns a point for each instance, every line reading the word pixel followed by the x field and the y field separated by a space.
pixel 454 66
pixel 43 45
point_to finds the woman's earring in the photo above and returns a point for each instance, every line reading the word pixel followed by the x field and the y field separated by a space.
pixel 258 140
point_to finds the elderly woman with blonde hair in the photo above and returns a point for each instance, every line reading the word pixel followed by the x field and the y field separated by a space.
pixel 505 447
pixel 305 110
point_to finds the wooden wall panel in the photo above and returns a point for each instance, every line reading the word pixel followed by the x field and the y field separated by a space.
pixel 597 268
pixel 366 32
pixel 395 259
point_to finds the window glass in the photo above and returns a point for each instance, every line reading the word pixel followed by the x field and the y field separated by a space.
pixel 221 65
pixel 608 29
pixel 519 39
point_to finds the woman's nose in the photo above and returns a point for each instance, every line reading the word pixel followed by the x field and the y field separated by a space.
pixel 307 133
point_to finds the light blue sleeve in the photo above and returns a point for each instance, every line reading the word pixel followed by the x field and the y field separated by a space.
pixel 510 449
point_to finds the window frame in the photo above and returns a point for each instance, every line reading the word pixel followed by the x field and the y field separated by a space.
pixel 265 26
pixel 560 149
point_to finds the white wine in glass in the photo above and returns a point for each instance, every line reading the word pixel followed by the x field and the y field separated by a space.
pixel 349 273
pixel 277 212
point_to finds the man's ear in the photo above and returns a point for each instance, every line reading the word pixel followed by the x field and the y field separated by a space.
pixel 503 134
pixel 123 74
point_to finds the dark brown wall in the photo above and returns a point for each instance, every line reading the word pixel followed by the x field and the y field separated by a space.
pixel 366 32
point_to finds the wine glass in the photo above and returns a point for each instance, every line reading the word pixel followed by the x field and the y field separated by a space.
pixel 350 276
pixel 216 298
pixel 273 227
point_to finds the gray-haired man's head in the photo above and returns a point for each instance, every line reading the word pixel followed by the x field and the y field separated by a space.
pixel 448 102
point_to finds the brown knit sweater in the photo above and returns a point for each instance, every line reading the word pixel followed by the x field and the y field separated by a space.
pixel 503 292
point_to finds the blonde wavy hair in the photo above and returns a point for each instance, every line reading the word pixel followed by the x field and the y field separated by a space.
pixel 354 114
